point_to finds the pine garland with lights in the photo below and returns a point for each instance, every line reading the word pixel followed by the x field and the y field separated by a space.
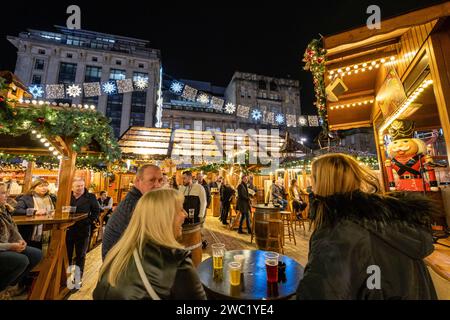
pixel 315 59
pixel 84 126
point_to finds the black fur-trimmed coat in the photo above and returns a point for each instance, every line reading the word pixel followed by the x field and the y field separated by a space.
pixel 361 230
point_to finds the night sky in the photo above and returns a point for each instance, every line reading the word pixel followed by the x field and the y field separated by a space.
pixel 208 41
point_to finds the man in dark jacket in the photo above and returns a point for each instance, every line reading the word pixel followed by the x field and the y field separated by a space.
pixel 243 204
pixel 148 177
pixel 77 236
pixel 370 246
pixel 226 195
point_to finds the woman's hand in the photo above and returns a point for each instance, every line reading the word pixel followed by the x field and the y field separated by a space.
pixel 41 212
pixel 18 246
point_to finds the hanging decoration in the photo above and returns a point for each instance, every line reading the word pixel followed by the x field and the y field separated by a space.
pixel 315 58
pixel 55 91
pixel 217 103
pixel 256 114
pixel 109 88
pixel 124 86
pixel 279 118
pixel 176 87
pixel 203 98
pixel 73 91
pixel 242 111
pixel 189 93
pixel 230 108
pixel 36 90
pixel 92 89
pixel 141 83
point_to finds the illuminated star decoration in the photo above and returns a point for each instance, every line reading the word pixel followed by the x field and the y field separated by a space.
pixel 36 91
pixel 176 87
pixel 302 121
pixel 256 114
pixel 141 83
pixel 230 108
pixel 203 98
pixel 109 88
pixel 279 118
pixel 73 91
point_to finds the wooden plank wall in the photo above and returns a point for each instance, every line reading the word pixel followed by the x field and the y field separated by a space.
pixel 410 44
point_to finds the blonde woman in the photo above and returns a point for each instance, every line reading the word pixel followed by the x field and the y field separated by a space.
pixel 167 270
pixel 365 245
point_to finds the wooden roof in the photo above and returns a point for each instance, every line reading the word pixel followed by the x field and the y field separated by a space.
pixel 184 146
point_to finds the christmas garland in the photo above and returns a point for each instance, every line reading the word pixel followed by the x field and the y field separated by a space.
pixel 95 163
pixel 315 58
pixel 84 126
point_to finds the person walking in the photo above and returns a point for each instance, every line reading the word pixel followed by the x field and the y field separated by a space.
pixel 243 204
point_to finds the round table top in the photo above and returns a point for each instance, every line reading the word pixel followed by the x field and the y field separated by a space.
pixel 270 207
pixel 254 285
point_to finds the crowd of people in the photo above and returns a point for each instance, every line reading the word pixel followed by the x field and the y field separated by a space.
pixel 355 225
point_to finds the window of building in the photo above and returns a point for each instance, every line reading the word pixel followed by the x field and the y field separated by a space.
pixel 166 124
pixel 176 125
pixel 94 59
pixel 262 85
pixel 67 72
pixel 41 51
pixel 93 74
pixel 273 86
pixel 187 126
pixel 117 74
pixel 39 64
pixel 114 112
pixel 118 62
pixel 141 65
pixel 69 55
pixel 36 79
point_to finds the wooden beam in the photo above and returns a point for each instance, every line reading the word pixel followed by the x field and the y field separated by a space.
pixel 66 173
pixel 28 177
pixel 408 20
pixel 352 125
pixel 438 47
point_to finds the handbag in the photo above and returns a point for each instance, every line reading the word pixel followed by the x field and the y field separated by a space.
pixel 144 279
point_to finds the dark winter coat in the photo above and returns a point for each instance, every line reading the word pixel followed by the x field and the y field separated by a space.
pixel 243 200
pixel 119 220
pixel 87 203
pixel 170 272
pixel 26 201
pixel 360 230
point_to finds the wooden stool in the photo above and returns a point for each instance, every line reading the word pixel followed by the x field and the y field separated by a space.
pixel 286 217
pixel 275 236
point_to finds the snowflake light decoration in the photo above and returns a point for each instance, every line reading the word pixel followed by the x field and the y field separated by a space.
pixel 302 121
pixel 109 88
pixel 36 91
pixel 203 98
pixel 92 89
pixel 256 114
pixel 230 108
pixel 73 91
pixel 279 118
pixel 176 87
pixel 141 83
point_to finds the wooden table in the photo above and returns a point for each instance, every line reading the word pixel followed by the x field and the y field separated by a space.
pixel 51 281
pixel 254 285
pixel 439 263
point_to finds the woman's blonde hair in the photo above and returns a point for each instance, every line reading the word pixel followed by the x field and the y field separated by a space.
pixel 339 173
pixel 152 220
pixel 36 183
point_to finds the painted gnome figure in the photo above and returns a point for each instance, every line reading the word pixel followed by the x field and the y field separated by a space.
pixel 409 159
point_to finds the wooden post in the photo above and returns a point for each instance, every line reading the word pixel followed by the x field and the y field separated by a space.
pixel 66 173
pixel 438 48
pixel 28 177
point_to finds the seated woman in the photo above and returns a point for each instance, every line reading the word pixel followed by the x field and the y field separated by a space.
pixel 42 201
pixel 294 195
pixel 16 258
pixel 366 245
pixel 148 262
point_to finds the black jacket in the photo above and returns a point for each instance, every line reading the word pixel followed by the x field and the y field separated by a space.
pixel 169 271
pixel 361 230
pixel 26 201
pixel 87 203
pixel 243 201
pixel 226 194
pixel 119 220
